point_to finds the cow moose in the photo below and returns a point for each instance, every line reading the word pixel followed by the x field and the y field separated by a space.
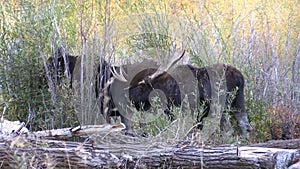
pixel 180 80
pixel 62 64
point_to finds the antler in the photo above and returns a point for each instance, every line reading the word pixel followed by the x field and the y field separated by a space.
pixel 164 68
pixel 137 67
pixel 117 75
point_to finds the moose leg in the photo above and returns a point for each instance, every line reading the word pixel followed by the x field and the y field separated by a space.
pixel 128 125
pixel 239 113
pixel 127 122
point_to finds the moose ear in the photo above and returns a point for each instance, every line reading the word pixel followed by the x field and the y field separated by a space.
pixel 60 52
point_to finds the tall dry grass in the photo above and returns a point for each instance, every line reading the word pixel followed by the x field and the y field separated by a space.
pixel 260 38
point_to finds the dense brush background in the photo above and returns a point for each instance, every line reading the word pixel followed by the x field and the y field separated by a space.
pixel 261 38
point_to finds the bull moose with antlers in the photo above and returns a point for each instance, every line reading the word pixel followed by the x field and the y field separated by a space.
pixel 176 82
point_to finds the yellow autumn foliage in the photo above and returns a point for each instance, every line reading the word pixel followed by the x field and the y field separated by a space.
pixel 277 21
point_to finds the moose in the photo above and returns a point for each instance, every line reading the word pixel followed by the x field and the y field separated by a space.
pixel 62 64
pixel 177 81
pixel 133 83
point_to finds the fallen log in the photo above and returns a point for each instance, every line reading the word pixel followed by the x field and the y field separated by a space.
pixel 23 153
pixel 40 153
pixel 286 144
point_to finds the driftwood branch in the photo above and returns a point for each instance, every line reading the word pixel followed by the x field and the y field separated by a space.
pixel 77 131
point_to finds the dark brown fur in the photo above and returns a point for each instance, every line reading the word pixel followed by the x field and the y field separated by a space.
pixel 57 66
